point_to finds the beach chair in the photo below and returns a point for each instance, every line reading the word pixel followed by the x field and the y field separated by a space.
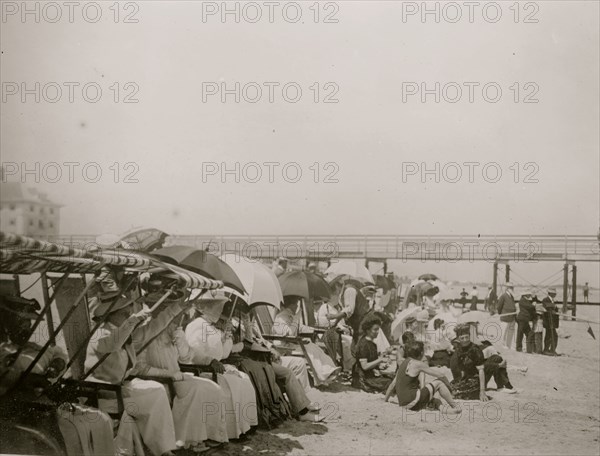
pixel 77 332
pixel 294 345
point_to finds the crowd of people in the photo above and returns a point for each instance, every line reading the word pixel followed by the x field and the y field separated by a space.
pixel 228 378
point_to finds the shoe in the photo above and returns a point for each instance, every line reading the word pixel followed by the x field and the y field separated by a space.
pixel 313 407
pixel 311 417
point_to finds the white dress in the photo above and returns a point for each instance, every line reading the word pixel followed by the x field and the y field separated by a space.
pixel 208 343
pixel 197 412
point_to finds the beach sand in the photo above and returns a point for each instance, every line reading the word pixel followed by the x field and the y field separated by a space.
pixel 557 412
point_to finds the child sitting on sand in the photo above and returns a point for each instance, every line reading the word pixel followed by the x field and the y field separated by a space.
pixel 410 381
pixel 407 337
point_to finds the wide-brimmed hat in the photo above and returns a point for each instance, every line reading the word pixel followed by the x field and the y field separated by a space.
pixel 444 295
pixel 509 285
pixel 211 305
pixel 552 290
pixel 423 316
pixel 99 308
pixel 23 308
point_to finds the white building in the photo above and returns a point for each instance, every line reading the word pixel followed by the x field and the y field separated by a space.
pixel 27 211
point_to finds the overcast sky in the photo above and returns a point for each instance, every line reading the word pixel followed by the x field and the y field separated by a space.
pixel 368 135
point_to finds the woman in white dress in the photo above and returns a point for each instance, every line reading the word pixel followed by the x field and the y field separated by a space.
pixel 209 345
pixel 196 416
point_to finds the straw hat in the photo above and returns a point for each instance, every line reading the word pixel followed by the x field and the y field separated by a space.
pixel 99 308
pixel 211 305
pixel 423 316
pixel 509 285
pixel 551 290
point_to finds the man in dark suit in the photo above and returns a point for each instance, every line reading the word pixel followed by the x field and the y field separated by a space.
pixel 551 320
pixel 506 305
pixel 525 319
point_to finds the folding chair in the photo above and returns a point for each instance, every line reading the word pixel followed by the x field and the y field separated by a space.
pixel 265 322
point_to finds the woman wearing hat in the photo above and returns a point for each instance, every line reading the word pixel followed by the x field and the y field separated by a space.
pixel 470 371
pixel 210 341
pixel 195 415
pixel 146 402
pixel 85 430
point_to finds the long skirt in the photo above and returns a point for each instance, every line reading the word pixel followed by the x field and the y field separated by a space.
pixel 86 431
pixel 199 411
pixel 147 407
pixel 240 403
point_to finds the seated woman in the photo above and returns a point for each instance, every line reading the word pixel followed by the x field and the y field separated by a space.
pixel 411 389
pixel 199 405
pixel 146 402
pixel 210 340
pixel 85 430
pixel 287 323
pixel 470 370
pixel 331 337
pixel 366 373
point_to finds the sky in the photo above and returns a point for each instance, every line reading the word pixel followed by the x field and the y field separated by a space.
pixel 370 147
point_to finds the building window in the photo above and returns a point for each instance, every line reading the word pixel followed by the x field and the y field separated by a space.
pixel 41 210
pixel 30 222
pixel 41 225
pixel 51 211
pixel 31 208
pixel 51 225
pixel 12 207
pixel 12 222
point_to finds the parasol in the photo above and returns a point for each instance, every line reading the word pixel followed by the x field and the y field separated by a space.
pixel 428 277
pixel 260 283
pixel 304 284
pixel 397 327
pixel 144 239
pixel 201 262
pixel 350 268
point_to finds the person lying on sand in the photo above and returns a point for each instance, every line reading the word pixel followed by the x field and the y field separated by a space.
pixel 411 389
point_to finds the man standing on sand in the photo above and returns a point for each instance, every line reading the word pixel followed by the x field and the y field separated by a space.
pixel 586 293
pixel 506 305
pixel 463 298
pixel 474 298
pixel 551 321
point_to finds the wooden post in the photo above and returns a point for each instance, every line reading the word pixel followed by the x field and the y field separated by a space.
pixel 565 287
pixel 494 280
pixel 507 272
pixel 49 320
pixel 384 267
pixel 574 294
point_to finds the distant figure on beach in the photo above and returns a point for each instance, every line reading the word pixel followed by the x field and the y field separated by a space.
pixel 279 266
pixel 586 293
pixel 525 322
pixel 551 322
pixel 463 298
pixel 506 305
pixel 474 298
pixel 490 301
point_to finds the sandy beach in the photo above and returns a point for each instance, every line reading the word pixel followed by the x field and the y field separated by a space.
pixel 557 412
